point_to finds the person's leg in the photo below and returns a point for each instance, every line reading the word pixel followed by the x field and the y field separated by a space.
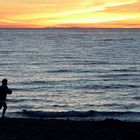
pixel 4 110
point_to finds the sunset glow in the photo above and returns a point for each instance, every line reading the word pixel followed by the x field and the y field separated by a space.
pixel 70 13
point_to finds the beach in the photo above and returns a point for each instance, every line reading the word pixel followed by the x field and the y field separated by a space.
pixel 48 129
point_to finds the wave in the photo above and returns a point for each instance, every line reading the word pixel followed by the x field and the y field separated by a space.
pixel 69 71
pixel 33 82
pixel 59 71
pixel 126 70
pixel 26 100
pixel 111 86
pixel 136 98
pixel 57 114
pixel 91 115
pixel 121 39
pixel 119 75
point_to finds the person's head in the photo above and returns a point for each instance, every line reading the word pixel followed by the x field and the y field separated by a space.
pixel 4 81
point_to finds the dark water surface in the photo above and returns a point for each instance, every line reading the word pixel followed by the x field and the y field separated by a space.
pixel 53 70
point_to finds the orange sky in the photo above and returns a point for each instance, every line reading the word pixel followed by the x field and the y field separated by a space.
pixel 70 13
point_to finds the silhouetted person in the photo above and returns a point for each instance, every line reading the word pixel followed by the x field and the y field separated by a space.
pixel 4 90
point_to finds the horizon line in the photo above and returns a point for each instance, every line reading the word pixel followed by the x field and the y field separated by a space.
pixel 70 28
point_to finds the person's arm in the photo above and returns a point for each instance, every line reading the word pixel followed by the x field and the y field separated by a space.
pixel 8 91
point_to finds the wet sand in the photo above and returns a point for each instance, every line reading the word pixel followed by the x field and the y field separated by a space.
pixel 39 129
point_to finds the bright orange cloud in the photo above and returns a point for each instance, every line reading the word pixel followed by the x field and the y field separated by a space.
pixel 70 13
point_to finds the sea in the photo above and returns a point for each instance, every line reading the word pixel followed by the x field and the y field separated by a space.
pixel 74 73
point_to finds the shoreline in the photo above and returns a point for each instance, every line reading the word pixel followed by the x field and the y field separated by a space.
pixel 42 129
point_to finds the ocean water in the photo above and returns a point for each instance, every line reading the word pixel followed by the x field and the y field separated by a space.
pixel 88 73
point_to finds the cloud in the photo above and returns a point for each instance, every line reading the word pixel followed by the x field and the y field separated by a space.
pixel 70 12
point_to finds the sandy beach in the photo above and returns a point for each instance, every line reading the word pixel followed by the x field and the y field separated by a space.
pixel 39 129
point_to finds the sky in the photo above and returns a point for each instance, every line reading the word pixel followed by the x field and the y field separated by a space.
pixel 70 13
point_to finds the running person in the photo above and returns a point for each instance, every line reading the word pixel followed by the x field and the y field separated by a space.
pixel 4 90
